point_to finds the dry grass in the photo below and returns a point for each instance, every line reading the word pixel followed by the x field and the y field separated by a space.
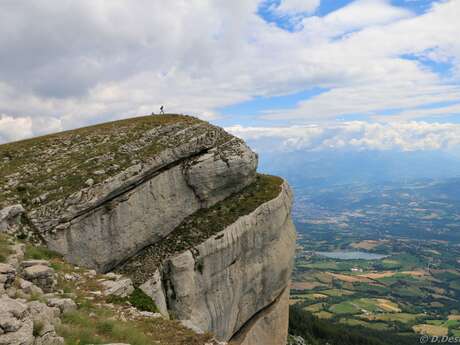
pixel 305 285
pixel 379 275
pixel 367 244
pixel 388 305
pixel 4 248
pixel 349 278
pixel 432 330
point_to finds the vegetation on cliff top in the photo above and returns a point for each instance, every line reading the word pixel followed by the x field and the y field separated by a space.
pixel 202 225
pixel 54 166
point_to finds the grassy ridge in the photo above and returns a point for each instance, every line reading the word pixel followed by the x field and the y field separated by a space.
pixel 57 165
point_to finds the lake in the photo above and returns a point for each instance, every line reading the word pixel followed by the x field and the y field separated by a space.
pixel 352 255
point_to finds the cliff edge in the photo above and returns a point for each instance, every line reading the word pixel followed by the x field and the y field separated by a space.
pixel 170 201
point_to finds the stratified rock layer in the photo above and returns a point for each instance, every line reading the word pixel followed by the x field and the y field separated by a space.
pixel 101 195
pixel 222 283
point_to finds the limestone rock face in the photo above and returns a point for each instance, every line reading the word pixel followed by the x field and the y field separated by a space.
pixel 102 195
pixel 225 281
pixel 162 195
pixel 268 327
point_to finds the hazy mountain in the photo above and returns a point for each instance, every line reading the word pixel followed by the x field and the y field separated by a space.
pixel 323 168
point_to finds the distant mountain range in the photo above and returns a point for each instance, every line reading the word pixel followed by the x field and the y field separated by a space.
pixel 327 168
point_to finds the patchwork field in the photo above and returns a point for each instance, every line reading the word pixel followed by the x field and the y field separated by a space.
pixel 399 293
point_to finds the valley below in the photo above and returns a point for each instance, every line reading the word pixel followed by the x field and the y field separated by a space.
pixel 382 258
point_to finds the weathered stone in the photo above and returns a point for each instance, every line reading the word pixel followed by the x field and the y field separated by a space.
pixel 30 263
pixel 121 288
pixel 149 314
pixel 65 305
pixel 15 323
pixel 42 276
pixel 154 288
pixel 113 276
pixel 10 217
pixel 29 288
pixel 17 255
pixel 49 339
pixel 47 318
pixel 7 276
pixel 9 324
pixel 89 182
pixel 110 222
pixel 221 172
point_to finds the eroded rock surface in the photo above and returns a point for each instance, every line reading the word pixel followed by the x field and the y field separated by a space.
pixel 103 194
pixel 223 282
pixel 171 188
pixel 268 327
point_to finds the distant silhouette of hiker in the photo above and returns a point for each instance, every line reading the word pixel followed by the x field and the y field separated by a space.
pixel 153 113
pixel 162 110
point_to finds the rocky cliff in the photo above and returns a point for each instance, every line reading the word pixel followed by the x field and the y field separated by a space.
pixel 170 201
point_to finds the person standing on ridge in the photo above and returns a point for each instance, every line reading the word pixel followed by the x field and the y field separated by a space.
pixel 162 110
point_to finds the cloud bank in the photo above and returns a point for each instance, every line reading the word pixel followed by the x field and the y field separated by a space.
pixel 72 63
pixel 355 135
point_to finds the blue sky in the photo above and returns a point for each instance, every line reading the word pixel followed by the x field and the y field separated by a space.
pixel 251 112
pixel 386 67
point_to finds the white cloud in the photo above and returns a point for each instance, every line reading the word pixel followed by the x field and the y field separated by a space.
pixel 12 129
pixel 78 62
pixel 355 135
pixel 290 7
pixel 356 15
pixel 17 128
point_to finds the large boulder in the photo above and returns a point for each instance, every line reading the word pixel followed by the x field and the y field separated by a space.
pixel 110 223
pixel 120 288
pixel 10 218
pixel 16 325
pixel 42 276
pixel 7 276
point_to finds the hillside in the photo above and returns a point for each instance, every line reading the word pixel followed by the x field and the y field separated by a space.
pixel 171 203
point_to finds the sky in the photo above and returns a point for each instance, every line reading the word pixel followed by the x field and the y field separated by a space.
pixel 304 74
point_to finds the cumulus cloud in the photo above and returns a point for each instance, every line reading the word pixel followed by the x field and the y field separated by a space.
pixel 73 63
pixel 355 135
pixel 17 128
pixel 12 129
pixel 290 7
